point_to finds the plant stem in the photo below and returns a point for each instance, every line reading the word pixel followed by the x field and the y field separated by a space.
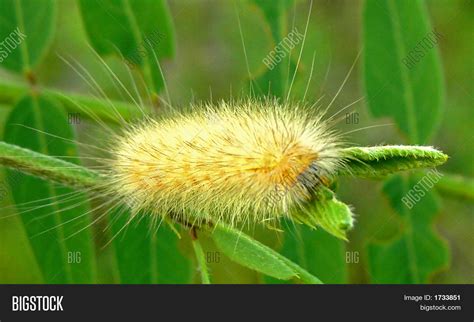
pixel 10 93
pixel 201 259
pixel 47 167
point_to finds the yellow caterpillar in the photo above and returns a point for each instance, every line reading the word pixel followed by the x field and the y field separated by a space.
pixel 257 162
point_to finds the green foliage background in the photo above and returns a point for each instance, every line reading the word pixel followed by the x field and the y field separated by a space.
pixel 203 59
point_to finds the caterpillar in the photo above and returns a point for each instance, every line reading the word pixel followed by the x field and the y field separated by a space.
pixel 247 161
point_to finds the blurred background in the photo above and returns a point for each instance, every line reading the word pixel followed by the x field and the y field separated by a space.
pixel 210 65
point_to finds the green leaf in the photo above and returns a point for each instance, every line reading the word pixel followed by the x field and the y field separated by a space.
pixel 250 253
pixel 402 72
pixel 383 160
pixel 327 212
pixel 148 255
pixel 138 29
pixel 403 80
pixel 274 80
pixel 274 12
pixel 320 253
pixel 56 223
pixel 417 253
pixel 29 26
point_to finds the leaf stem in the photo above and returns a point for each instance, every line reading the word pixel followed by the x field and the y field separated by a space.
pixel 201 259
pixel 12 92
